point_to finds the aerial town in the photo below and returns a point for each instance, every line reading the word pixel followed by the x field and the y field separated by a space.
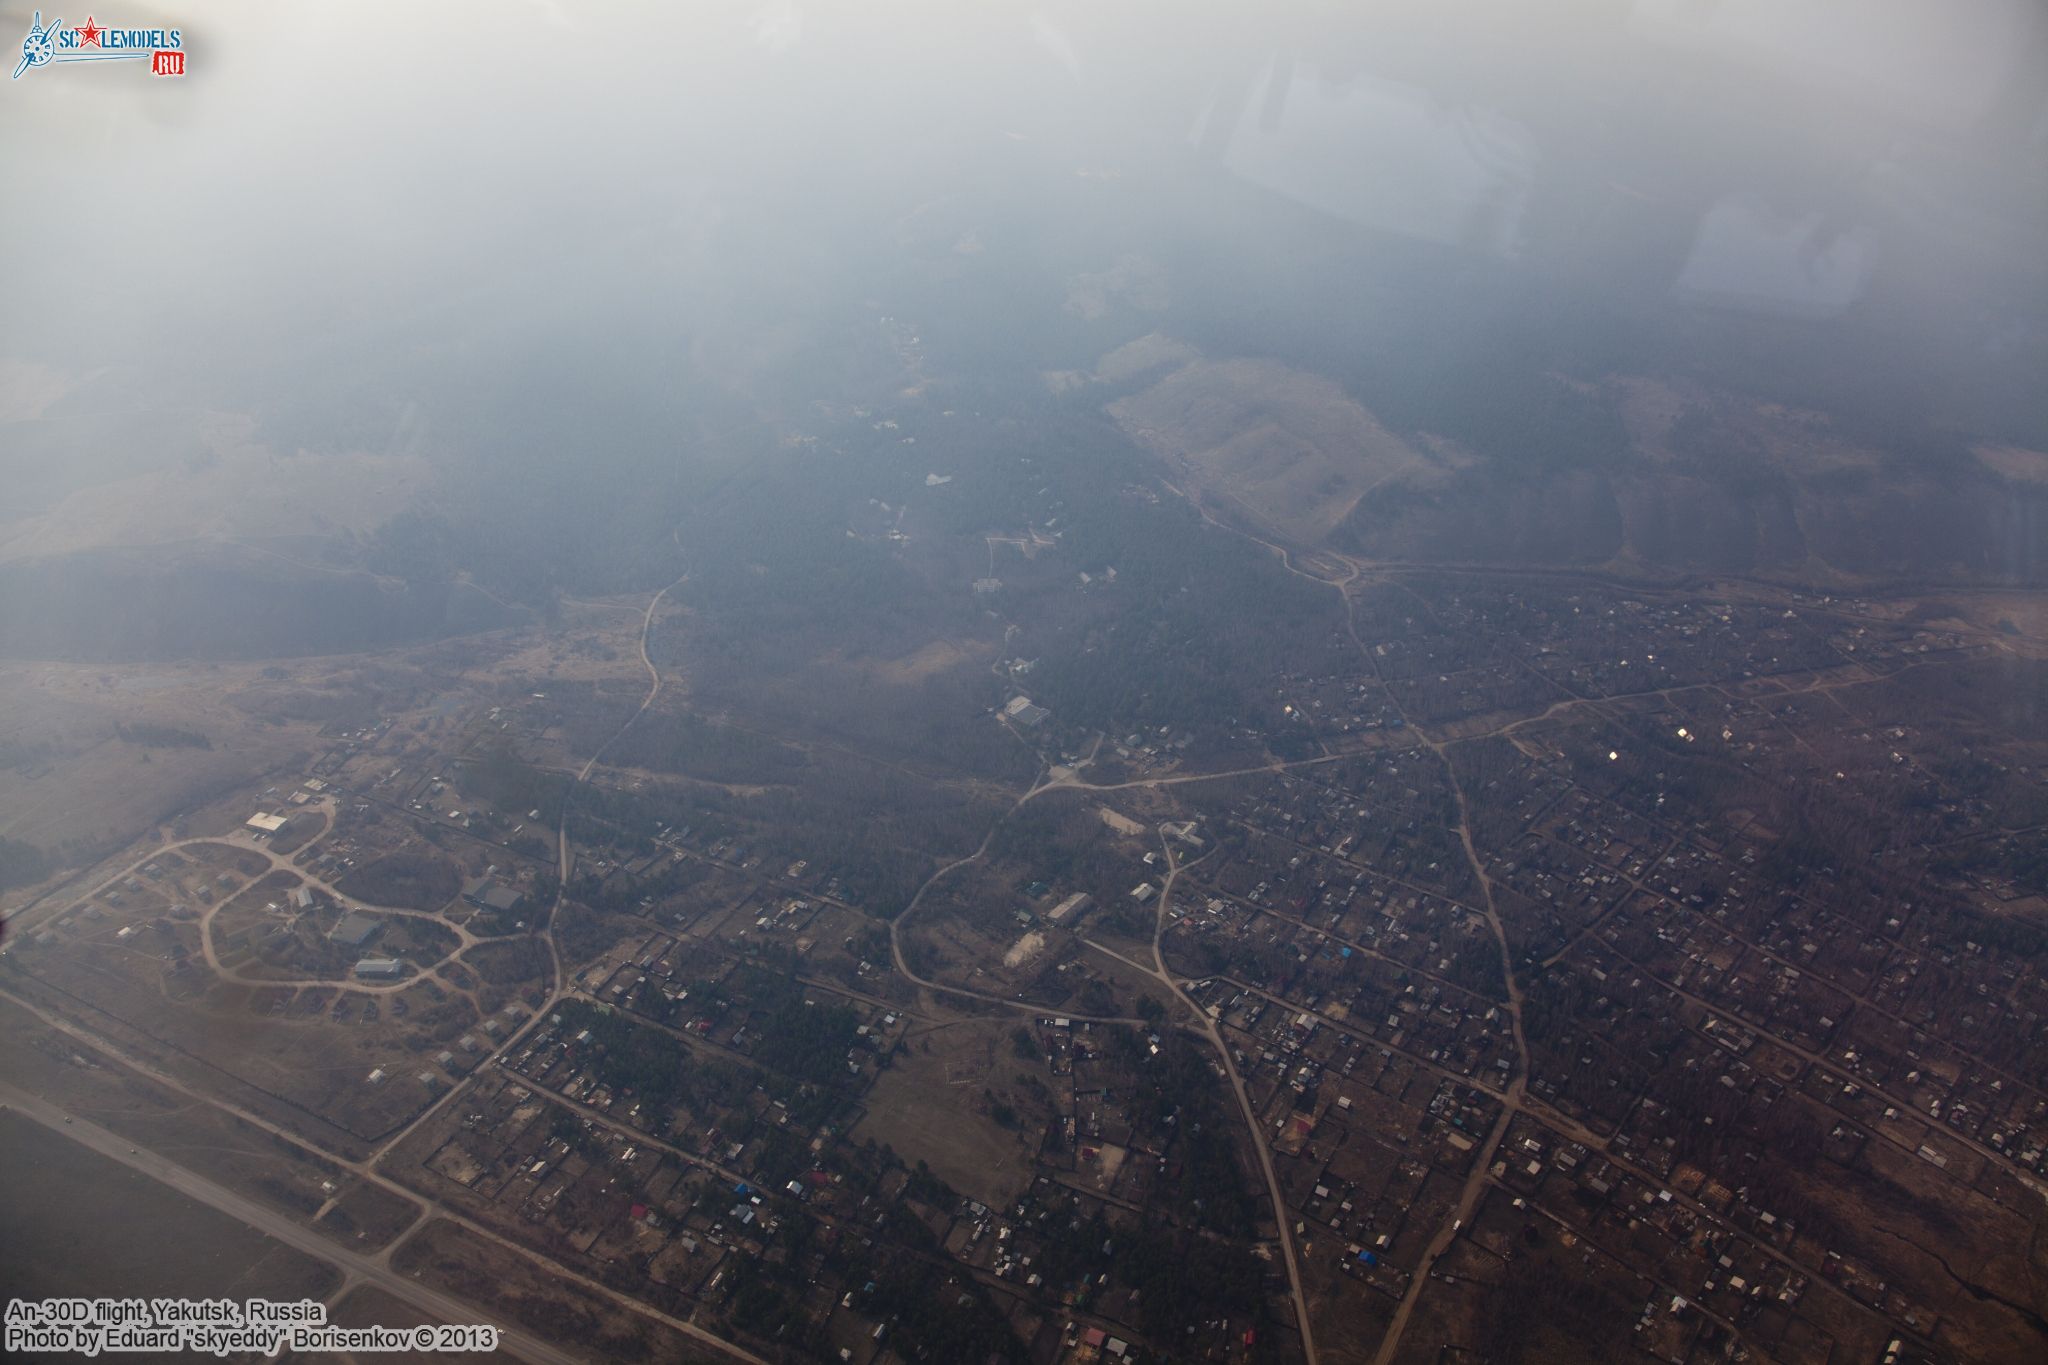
pixel 1521 971
pixel 1174 682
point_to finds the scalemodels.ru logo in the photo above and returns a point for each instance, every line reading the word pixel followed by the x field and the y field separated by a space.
pixel 162 48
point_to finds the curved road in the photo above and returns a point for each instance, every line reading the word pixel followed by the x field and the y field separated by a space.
pixel 1244 1099
pixel 564 864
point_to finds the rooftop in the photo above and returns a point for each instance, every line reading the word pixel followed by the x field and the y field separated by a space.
pixel 355 929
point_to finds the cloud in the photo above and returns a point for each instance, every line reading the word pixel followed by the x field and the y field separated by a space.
pixel 1057 43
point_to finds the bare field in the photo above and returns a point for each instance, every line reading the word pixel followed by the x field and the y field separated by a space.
pixel 244 492
pixel 940 656
pixel 929 1106
pixel 209 1141
pixel 2015 463
pixel 1799 444
pixel 73 1222
pixel 349 1058
pixel 1292 450
pixel 1154 351
pixel 593 640
pixel 73 780
pixel 511 1287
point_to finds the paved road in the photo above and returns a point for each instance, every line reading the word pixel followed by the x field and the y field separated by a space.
pixel 357 1268
pixel 717 1345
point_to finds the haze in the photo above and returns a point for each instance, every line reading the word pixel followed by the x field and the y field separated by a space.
pixel 1034 684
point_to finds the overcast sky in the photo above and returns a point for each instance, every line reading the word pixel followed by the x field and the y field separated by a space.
pixel 333 179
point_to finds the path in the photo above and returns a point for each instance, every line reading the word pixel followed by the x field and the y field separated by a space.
pixel 1245 1107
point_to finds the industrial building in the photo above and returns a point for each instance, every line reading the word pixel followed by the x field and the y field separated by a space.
pixel 485 893
pixel 1069 908
pixel 355 929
